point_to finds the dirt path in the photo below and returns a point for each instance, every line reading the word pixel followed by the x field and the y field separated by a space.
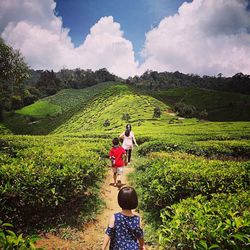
pixel 91 235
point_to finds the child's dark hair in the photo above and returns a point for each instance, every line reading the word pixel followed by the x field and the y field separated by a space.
pixel 115 141
pixel 127 198
pixel 128 129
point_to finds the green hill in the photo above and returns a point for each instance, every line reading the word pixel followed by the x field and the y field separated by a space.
pixel 180 166
pixel 47 114
pixel 221 106
pixel 112 105
pixel 83 111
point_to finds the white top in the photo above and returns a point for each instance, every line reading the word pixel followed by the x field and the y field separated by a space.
pixel 128 140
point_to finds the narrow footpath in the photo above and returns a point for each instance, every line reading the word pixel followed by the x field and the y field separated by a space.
pixel 91 235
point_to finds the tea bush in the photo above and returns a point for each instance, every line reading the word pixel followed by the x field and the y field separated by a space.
pixel 223 222
pixel 163 182
pixel 9 240
pixel 39 174
pixel 236 148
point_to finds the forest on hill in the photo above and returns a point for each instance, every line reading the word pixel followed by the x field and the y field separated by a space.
pixel 21 86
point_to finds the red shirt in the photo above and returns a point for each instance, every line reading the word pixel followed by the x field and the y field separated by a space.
pixel 117 152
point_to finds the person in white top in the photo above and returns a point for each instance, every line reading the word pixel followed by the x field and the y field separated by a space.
pixel 128 141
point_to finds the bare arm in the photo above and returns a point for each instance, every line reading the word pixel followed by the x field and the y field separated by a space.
pixel 106 237
pixel 141 240
pixel 134 140
pixel 122 135
pixel 124 158
pixel 105 241
pixel 141 243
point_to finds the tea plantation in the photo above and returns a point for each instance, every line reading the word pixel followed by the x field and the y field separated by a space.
pixel 192 176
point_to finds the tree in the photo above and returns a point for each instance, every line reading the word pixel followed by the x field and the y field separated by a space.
pixel 106 123
pixel 126 117
pixel 157 112
pixel 185 110
pixel 13 72
pixel 48 83
pixel 13 69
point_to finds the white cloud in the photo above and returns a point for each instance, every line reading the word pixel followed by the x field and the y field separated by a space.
pixel 41 38
pixel 106 46
pixel 36 12
pixel 204 37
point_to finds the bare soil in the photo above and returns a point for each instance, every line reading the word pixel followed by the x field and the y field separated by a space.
pixel 90 236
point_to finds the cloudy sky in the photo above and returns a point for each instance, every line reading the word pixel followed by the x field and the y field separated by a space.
pixel 204 37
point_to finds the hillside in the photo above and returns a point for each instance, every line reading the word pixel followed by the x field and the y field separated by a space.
pixel 181 164
pixel 221 106
pixel 47 114
pixel 80 111
pixel 112 104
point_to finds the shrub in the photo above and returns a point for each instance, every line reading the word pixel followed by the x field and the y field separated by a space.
pixel 203 114
pixel 166 181
pixel 185 110
pixel 106 123
pixel 157 112
pixel 126 117
pixel 220 223
pixel 9 240
pixel 235 148
pixel 39 175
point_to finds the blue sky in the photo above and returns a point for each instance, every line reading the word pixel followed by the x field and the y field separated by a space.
pixel 128 37
pixel 136 17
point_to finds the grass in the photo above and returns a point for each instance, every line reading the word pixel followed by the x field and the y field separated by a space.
pixel 47 114
pixel 76 111
pixel 40 109
pixel 112 104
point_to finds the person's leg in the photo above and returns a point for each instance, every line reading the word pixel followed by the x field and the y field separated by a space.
pixel 119 176
pixel 129 154
pixel 114 175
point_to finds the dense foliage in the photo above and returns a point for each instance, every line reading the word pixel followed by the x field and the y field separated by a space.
pixel 193 202
pixel 10 240
pixel 158 80
pixel 174 177
pixel 222 222
pixel 38 175
pixel 50 82
pixel 208 148
pixel 13 71
pixel 192 176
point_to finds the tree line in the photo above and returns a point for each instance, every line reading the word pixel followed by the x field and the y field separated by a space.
pixel 154 80
pixel 21 86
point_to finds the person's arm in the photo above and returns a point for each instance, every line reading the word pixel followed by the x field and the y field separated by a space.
pixel 124 158
pixel 142 244
pixel 134 140
pixel 141 240
pixel 106 236
pixel 111 154
pixel 122 135
pixel 105 241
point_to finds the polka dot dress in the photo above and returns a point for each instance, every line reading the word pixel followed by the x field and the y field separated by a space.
pixel 126 232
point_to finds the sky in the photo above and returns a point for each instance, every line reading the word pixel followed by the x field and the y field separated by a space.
pixel 204 37
pixel 136 17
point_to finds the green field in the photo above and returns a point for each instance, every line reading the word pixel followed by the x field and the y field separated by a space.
pixel 192 176
pixel 221 106
pixel 40 109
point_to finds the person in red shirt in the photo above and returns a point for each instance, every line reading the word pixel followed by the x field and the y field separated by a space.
pixel 117 155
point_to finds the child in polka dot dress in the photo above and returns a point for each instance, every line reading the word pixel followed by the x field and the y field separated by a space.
pixel 124 231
